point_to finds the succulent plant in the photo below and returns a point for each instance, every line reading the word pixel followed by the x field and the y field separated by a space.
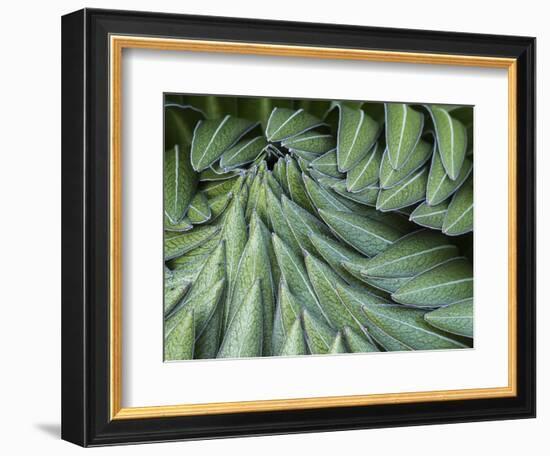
pixel 297 227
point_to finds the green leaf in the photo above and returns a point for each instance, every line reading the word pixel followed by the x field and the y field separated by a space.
pixel 219 188
pixel 199 209
pixel 303 164
pixel 318 108
pixel 255 265
pixel 208 343
pixel 319 335
pixel 337 345
pixel 244 335
pixel 261 203
pixel 322 179
pixel 457 318
pixel 389 285
pixel 296 188
pixel 180 342
pixel 403 129
pixel 201 297
pixel 335 253
pixel 250 175
pixel 357 342
pixel 219 204
pixel 311 142
pixel 168 273
pixel 281 172
pixel 213 137
pixel 174 292
pixel 324 281
pixel 465 115
pixel 189 265
pixel 365 172
pixel 301 223
pixel 184 242
pixel 430 216
pixel 440 186
pixel 206 247
pixel 261 166
pixel 367 236
pixel 214 173
pixel 384 340
pixel 285 123
pixel 367 195
pixel 389 177
pixel 322 197
pixel 444 284
pixel 274 185
pixel 303 158
pixel 357 133
pixel 326 164
pixel 459 218
pixel 277 170
pixel 256 222
pixel 408 192
pixel 235 235
pixel 242 153
pixel 451 140
pixel 295 275
pixel 394 220
pixel 241 194
pixel 411 255
pixel 405 324
pixel 286 313
pixel 278 337
pixel 173 228
pixel 354 104
pixel 179 123
pixel 253 108
pixel 351 200
pixel 170 234
pixel 254 195
pixel 294 344
pixel 180 182
pixel 206 305
pixel 279 223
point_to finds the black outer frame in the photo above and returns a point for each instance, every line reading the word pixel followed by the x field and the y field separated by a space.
pixel 85 227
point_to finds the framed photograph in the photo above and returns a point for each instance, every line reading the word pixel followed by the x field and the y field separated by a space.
pixel 275 227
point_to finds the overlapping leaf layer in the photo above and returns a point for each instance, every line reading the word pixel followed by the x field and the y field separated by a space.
pixel 296 227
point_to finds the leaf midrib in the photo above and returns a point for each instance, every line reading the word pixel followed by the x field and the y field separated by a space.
pixel 240 150
pixel 439 285
pixel 417 328
pixel 401 134
pixel 433 249
pixel 225 119
pixel 403 187
pixel 342 220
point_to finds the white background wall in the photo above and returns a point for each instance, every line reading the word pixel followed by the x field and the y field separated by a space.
pixel 30 230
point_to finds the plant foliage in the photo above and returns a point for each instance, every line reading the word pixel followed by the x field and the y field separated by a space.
pixel 297 227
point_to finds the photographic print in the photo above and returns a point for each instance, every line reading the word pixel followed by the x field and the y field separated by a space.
pixel 267 221
pixel 315 227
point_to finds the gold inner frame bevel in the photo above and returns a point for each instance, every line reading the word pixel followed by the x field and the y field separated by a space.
pixel 117 44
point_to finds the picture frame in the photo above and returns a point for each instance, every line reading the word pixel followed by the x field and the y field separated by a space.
pixel 93 42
